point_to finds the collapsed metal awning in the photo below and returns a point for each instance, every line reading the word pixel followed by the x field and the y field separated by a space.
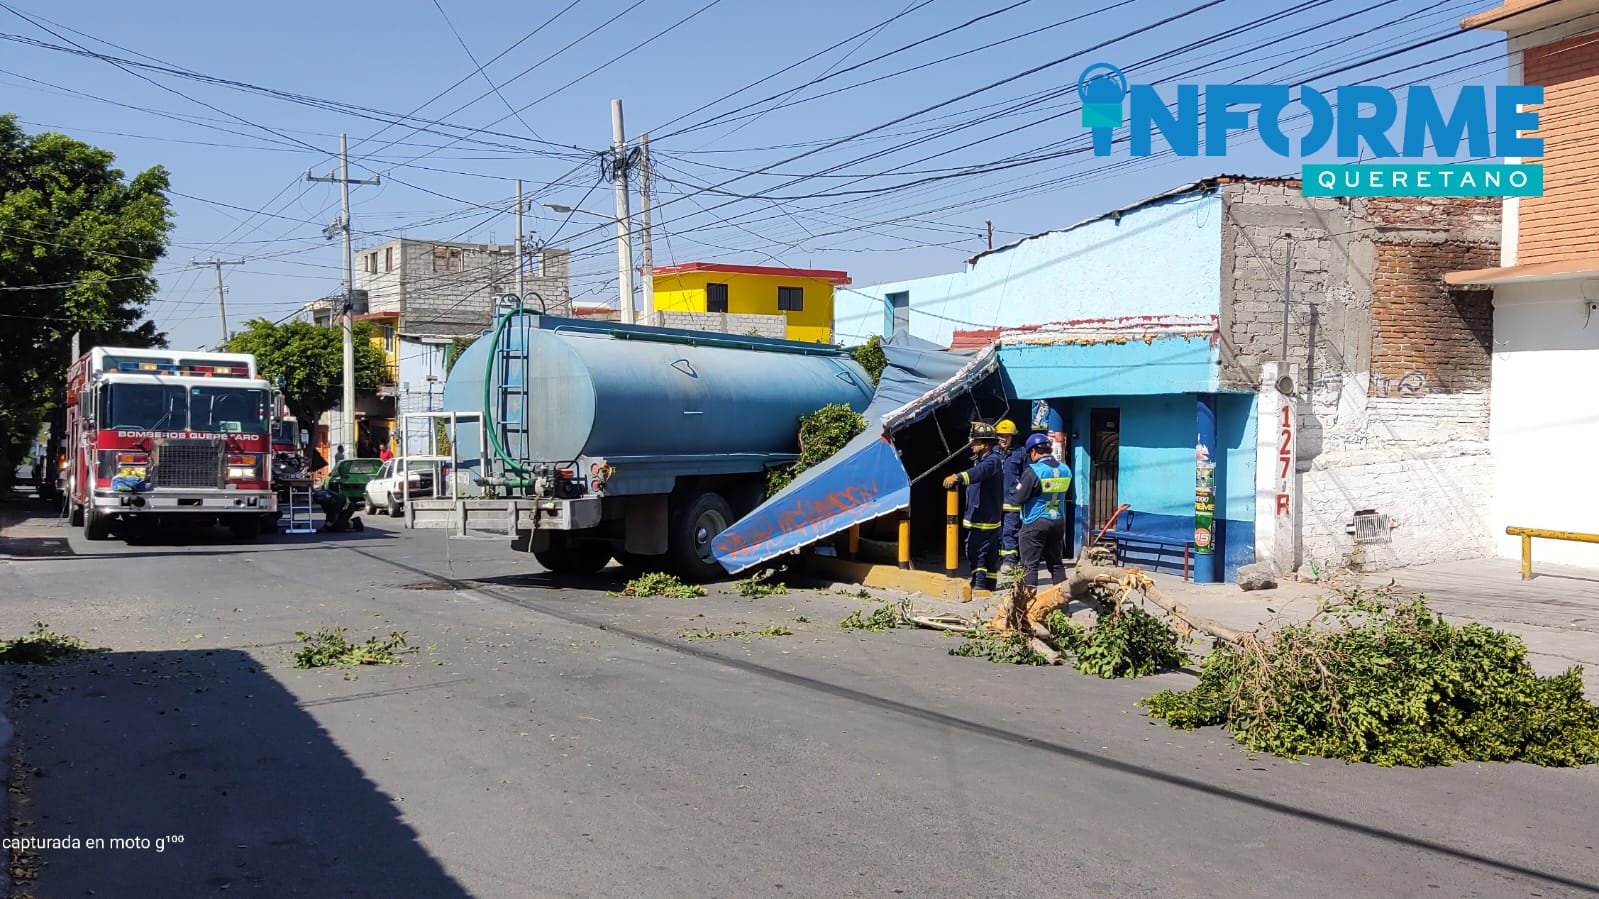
pixel 865 479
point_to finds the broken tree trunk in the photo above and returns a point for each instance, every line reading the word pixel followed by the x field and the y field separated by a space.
pixel 1084 578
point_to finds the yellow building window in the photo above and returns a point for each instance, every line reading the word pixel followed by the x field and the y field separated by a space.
pixel 716 298
pixel 791 299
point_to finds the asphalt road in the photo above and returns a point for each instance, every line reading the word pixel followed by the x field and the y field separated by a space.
pixel 548 740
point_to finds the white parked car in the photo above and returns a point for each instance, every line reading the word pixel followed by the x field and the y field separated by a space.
pixel 384 490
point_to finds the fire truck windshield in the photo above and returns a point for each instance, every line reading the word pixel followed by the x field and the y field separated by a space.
pixel 172 407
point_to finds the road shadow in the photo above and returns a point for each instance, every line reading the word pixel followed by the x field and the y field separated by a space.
pixel 208 752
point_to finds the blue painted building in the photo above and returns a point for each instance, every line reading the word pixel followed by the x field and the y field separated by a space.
pixel 1130 368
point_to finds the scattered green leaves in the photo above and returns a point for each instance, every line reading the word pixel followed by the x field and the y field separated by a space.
pixel 771 630
pixel 1384 679
pixel 327 647
pixel 821 434
pixel 760 584
pixel 658 584
pixel 1125 642
pixel 42 646
pixel 1010 649
pixel 887 616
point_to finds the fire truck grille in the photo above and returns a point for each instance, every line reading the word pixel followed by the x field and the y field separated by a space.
pixel 188 463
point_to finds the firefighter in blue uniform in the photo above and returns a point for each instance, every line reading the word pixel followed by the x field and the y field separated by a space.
pixel 1011 525
pixel 1042 496
pixel 985 494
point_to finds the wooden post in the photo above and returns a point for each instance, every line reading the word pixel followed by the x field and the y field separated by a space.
pixel 854 541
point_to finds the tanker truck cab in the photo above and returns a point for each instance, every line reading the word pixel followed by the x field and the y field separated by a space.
pixel 632 442
pixel 162 436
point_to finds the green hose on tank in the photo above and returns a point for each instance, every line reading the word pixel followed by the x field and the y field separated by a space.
pixel 488 407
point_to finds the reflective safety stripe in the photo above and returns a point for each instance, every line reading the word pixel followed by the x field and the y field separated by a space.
pixel 1007 552
pixel 1055 485
pixel 982 525
pixel 1010 508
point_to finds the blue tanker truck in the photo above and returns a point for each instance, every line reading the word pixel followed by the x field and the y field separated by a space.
pixel 632 442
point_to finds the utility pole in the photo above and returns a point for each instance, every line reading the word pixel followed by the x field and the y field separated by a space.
pixel 347 407
pixel 624 234
pixel 1288 274
pixel 521 281
pixel 222 306
pixel 644 199
pixel 990 226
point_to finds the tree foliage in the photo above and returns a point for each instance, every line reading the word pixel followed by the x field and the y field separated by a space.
pixel 78 240
pixel 822 433
pixel 1383 679
pixel 872 358
pixel 310 360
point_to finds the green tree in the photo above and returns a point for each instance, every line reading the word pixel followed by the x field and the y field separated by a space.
pixel 310 360
pixel 77 244
pixel 872 358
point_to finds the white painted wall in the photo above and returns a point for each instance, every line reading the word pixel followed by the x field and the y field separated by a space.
pixel 1544 426
pixel 1162 259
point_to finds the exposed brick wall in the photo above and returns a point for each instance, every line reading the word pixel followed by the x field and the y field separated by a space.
pixel 1393 366
pixel 1428 336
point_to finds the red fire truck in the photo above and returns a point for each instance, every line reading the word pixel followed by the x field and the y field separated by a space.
pixel 163 435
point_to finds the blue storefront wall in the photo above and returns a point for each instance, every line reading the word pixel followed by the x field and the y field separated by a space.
pixel 1155 383
pixel 1155 474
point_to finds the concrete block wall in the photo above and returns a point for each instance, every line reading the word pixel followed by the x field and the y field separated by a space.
pixel 437 296
pixel 722 323
pixel 1393 366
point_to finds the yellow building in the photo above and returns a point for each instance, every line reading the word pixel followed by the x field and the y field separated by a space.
pixel 803 296
pixel 376 414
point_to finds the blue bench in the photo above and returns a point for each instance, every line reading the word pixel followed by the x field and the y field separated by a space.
pixel 1131 536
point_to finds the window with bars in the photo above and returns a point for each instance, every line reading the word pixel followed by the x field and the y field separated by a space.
pixel 790 299
pixel 716 298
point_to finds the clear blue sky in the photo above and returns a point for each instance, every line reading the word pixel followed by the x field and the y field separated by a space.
pixel 391 57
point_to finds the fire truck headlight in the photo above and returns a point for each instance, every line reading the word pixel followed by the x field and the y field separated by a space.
pixel 240 472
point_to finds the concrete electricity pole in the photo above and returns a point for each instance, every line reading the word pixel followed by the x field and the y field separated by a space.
pixel 521 281
pixel 624 234
pixel 347 425
pixel 644 200
pixel 222 306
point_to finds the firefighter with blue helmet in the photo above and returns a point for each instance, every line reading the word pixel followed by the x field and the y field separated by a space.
pixel 985 494
pixel 1042 495
pixel 1011 524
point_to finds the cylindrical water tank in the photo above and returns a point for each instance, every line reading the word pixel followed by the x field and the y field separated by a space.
pixel 646 393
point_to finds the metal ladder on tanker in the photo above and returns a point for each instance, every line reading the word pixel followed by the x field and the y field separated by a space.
pixel 512 370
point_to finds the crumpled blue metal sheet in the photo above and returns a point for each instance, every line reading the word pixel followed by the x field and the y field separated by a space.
pixel 865 479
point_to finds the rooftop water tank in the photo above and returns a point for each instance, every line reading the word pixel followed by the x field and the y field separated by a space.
pixel 599 389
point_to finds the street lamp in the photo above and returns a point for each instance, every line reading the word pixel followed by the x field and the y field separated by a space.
pixel 624 255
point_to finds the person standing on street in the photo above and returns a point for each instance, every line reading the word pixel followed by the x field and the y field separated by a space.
pixel 385 453
pixel 1042 496
pixel 1011 523
pixel 985 493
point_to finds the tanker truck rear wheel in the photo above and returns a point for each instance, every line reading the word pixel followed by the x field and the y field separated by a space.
pixel 696 523
pixel 573 556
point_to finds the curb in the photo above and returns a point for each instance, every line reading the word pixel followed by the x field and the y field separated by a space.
pixel 888 577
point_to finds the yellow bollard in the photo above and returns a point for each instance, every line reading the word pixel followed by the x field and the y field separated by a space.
pixel 905 539
pixel 1526 535
pixel 952 533
pixel 854 541
pixel 1526 557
